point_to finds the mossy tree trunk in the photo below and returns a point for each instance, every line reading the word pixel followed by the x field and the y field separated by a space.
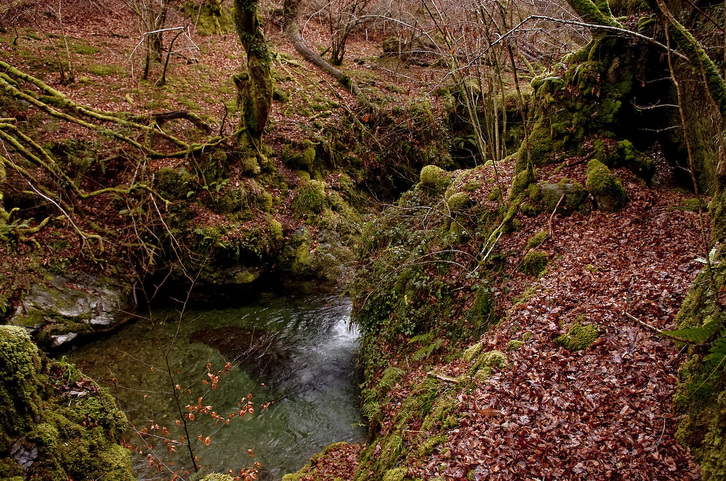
pixel 255 85
pixel 595 13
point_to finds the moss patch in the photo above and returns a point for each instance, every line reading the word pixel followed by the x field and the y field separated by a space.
pixel 534 263
pixel 536 240
pixel 579 336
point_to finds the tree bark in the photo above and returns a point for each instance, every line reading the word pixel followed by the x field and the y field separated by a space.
pixel 255 85
pixel 290 15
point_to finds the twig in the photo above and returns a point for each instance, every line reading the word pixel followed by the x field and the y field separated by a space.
pixel 652 328
pixel 554 211
pixel 443 377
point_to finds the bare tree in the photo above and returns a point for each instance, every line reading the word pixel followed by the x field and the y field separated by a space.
pixel 343 17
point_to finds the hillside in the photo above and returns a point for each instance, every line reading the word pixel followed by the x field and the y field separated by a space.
pixel 531 246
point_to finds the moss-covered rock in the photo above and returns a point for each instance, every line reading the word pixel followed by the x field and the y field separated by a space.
pixel 309 199
pixel 55 424
pixel 486 362
pixel 472 351
pixel 534 263
pixel 605 187
pixel 434 179
pixel 579 336
pixel 459 201
pixel 173 184
pixel 575 196
pixel 217 477
pixel 514 344
pixel 395 474
pixel 63 308
pixel 20 366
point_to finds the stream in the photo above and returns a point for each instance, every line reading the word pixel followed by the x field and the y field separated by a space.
pixel 292 353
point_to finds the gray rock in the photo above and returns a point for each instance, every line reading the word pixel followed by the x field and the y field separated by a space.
pixel 58 310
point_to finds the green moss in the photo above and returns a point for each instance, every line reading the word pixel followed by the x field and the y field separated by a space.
pixel 534 263
pixel 485 364
pixel 83 49
pixel 628 156
pixel 75 437
pixel 514 345
pixel 472 351
pixel 395 474
pixel 574 200
pixel 440 412
pixel 220 477
pixel 173 183
pixel 605 187
pixel 390 377
pixel 103 70
pixel 482 312
pixel 688 205
pixel 459 201
pixel 522 182
pixel 434 178
pixel 210 17
pixel 20 365
pixel 309 199
pixel 428 446
pixel 536 240
pixel 579 336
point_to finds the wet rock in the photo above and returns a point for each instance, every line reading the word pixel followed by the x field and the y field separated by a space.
pixel 57 311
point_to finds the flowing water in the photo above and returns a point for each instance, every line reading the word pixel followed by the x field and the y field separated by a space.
pixel 294 354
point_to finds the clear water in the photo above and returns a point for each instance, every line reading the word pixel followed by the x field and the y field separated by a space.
pixel 295 352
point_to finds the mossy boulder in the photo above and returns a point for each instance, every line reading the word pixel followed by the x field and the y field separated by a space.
pixel 173 184
pixel 472 351
pixel 395 474
pixel 63 308
pixel 575 196
pixel 434 179
pixel 55 423
pixel 579 336
pixel 606 189
pixel 218 477
pixel 486 362
pixel 534 263
pixel 459 201
pixel 309 199
pixel 20 366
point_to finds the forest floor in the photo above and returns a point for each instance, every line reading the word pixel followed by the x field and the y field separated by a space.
pixel 601 413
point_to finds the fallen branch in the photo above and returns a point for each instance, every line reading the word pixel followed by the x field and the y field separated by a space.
pixel 554 212
pixel 443 377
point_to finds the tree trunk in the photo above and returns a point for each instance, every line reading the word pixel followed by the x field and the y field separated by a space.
pixel 255 85
pixel 290 13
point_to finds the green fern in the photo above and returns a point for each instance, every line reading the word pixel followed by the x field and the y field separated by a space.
pixel 389 379
pixel 427 350
pixel 696 335
pixel 422 338
pixel 716 354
